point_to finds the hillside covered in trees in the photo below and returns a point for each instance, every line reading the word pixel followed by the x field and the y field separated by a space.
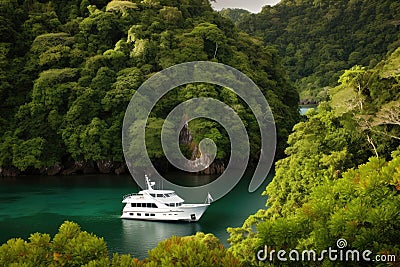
pixel 69 68
pixel 319 39
pixel 341 175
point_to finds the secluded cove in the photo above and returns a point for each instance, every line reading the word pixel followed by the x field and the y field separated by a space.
pixel 41 204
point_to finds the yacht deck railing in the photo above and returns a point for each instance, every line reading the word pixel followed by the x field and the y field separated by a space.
pixel 129 195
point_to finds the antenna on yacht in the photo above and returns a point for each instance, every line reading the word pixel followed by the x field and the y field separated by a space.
pixel 149 183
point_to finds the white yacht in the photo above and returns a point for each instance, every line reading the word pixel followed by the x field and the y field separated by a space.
pixel 161 205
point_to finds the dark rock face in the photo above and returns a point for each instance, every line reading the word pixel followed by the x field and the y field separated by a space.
pixel 105 166
pixel 185 137
pixel 55 170
pixel 90 168
pixel 214 168
pixel 84 167
pixel 122 169
pixel 9 172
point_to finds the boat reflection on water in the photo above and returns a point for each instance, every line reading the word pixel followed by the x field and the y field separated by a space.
pixel 135 233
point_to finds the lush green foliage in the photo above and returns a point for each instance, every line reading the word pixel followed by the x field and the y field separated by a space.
pixel 319 39
pixel 69 247
pixel 326 188
pixel 371 97
pixel 73 247
pixel 237 15
pixel 69 68
pixel 197 250
pixel 361 207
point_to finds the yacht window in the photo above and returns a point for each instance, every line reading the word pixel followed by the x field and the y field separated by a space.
pixel 146 214
pixel 152 214
pixel 153 195
pixel 153 205
pixel 131 214
pixel 149 205
pixel 133 205
pixel 139 214
pixel 159 195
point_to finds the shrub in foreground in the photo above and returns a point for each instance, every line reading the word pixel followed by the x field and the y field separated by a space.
pixel 73 247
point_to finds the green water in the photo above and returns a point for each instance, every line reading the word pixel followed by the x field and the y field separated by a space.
pixel 41 204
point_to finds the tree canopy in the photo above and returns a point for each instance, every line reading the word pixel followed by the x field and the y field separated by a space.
pixel 339 178
pixel 320 39
pixel 69 68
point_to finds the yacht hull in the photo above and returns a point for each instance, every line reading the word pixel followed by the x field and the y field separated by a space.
pixel 186 212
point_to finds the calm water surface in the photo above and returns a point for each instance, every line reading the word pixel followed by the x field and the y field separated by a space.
pixel 41 204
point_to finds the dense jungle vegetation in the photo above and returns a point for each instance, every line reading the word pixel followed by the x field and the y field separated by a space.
pixel 339 176
pixel 319 39
pixel 69 68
